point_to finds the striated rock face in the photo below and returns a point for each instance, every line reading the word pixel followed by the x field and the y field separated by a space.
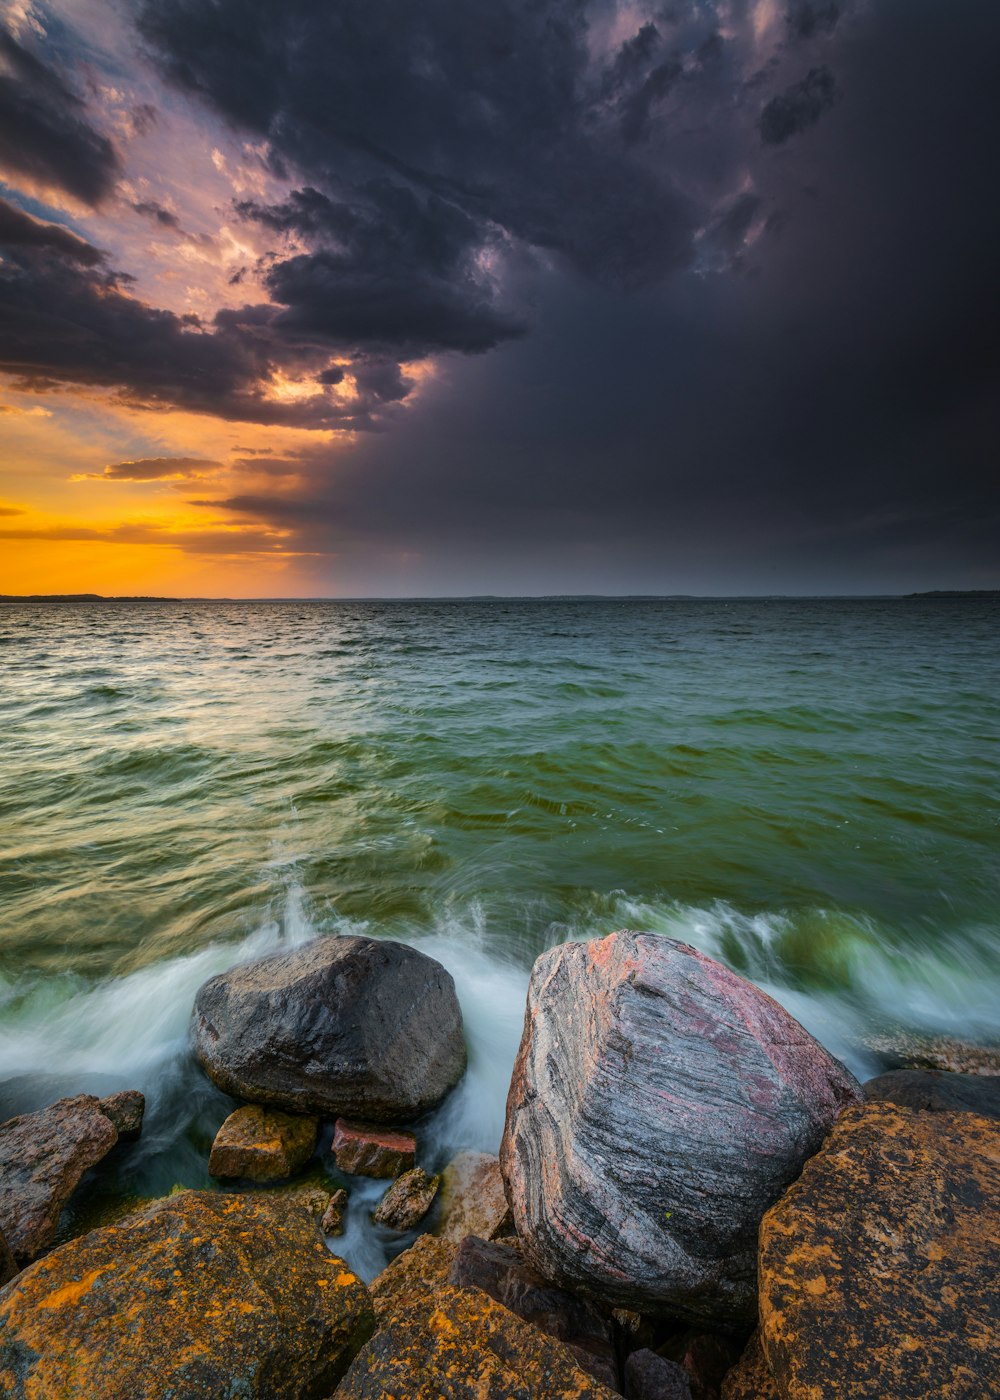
pixel 42 1158
pixel 407 1200
pixel 126 1110
pixel 937 1091
pixel 461 1344
pixel 499 1270
pixel 363 1027
pixel 262 1144
pixel 362 1149
pixel 659 1104
pixel 421 1269
pixel 202 1295
pixel 878 1266
pixel 473 1201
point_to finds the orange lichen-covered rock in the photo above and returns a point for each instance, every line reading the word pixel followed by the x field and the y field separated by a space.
pixel 423 1268
pixel 262 1144
pixel 461 1344
pixel 473 1201
pixel 202 1295
pixel 750 1379
pixel 878 1266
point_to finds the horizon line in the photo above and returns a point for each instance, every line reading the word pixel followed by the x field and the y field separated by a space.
pixel 488 597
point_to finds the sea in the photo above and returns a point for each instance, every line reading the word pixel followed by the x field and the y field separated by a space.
pixel 807 789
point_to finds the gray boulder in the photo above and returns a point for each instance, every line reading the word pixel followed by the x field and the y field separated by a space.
pixel 937 1091
pixel 659 1105
pixel 363 1027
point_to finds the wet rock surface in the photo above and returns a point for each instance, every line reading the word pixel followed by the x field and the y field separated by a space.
pixel 363 1027
pixel 937 1091
pixel 333 1216
pixel 417 1271
pixel 407 1200
pixel 202 1295
pixel 942 1052
pixel 461 1344
pixel 659 1105
pixel 878 1266
pixel 126 1110
pixel 473 1200
pixel 499 1270
pixel 363 1149
pixel 262 1144
pixel 43 1155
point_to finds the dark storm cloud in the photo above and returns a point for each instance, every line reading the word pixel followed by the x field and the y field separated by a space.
pixel 798 107
pixel 45 129
pixel 21 230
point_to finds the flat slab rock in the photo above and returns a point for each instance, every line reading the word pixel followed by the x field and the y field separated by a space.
pixel 461 1344
pixel 262 1144
pixel 416 1272
pixel 364 1149
pixel 407 1200
pixel 202 1295
pixel 659 1104
pixel 363 1027
pixel 878 1268
pixel 473 1200
pixel 937 1091
pixel 43 1155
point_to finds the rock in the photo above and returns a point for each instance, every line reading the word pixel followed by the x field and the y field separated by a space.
pixel 42 1158
pixel 461 1344
pixel 421 1269
pixel 407 1200
pixel 262 1144
pixel 878 1266
pixel 363 1027
pixel 750 1379
pixel 333 1217
pixel 499 1270
pixel 658 1106
pixel 652 1377
pixel 203 1295
pixel 937 1091
pixel 126 1110
pixel 473 1201
pixel 707 1357
pixel 362 1149
pixel 8 1264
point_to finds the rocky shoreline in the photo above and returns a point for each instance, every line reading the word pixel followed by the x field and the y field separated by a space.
pixel 693 1200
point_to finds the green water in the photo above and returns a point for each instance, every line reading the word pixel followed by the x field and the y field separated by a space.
pixel 808 789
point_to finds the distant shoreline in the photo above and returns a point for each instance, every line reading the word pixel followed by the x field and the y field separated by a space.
pixel 13 599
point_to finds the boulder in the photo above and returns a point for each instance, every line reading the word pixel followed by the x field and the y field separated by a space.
pixel 363 1149
pixel 750 1378
pixel 499 1270
pixel 363 1027
pixel 707 1357
pixel 126 1110
pixel 333 1216
pixel 473 1200
pixel 461 1344
pixel 659 1104
pixel 262 1144
pixel 652 1377
pixel 200 1296
pixel 944 1052
pixel 407 1200
pixel 421 1269
pixel 42 1158
pixel 878 1266
pixel 937 1091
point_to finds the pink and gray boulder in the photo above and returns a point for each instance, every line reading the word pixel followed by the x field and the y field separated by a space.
pixel 364 1027
pixel 659 1105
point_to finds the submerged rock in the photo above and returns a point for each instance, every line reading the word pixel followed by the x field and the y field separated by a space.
pixel 462 1344
pixel 363 1027
pixel 202 1295
pixel 878 1266
pixel 659 1104
pixel 473 1201
pixel 42 1158
pixel 262 1144
pixel 407 1200
pixel 363 1149
pixel 126 1110
pixel 944 1052
pixel 937 1091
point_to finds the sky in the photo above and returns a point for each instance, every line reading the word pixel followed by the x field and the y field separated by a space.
pixel 411 297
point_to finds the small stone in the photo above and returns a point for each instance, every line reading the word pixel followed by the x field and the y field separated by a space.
pixel 126 1111
pixel 707 1357
pixel 333 1217
pixel 423 1268
pixel 407 1200
pixel 42 1158
pixel 652 1377
pixel 362 1149
pixel 262 1144
pixel 937 1091
pixel 473 1201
